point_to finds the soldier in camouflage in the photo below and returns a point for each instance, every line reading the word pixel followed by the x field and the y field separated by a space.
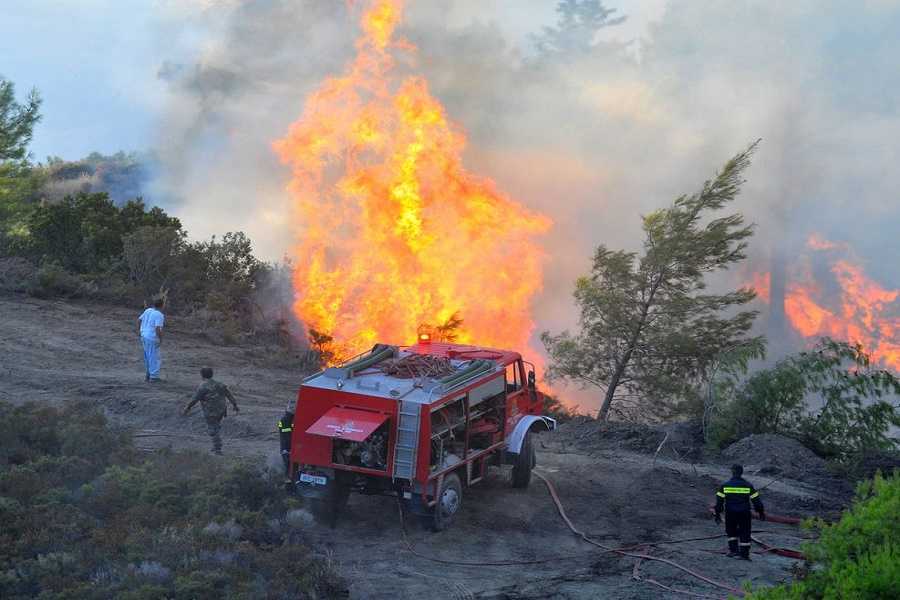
pixel 211 395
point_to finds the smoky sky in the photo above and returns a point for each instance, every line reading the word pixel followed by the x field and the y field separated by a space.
pixel 593 138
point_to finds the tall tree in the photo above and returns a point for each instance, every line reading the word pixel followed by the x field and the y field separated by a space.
pixel 17 180
pixel 576 28
pixel 16 121
pixel 648 327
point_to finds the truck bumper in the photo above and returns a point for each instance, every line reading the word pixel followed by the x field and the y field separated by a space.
pixel 309 483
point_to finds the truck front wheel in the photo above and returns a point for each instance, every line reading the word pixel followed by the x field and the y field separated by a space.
pixel 449 501
pixel 525 461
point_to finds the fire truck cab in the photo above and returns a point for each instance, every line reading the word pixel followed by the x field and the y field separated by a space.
pixel 421 422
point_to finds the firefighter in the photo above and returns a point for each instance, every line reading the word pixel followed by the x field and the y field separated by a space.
pixel 736 496
pixel 285 428
pixel 211 395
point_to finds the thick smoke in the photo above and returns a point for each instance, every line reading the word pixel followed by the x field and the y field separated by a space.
pixel 593 137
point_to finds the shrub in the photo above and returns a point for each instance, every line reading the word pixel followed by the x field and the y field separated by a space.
pixel 151 257
pixel 52 280
pixel 855 416
pixel 857 557
pixel 85 516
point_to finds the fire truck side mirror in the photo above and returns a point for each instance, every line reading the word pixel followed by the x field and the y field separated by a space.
pixel 531 380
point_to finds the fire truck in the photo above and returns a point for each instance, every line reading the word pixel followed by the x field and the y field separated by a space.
pixel 422 422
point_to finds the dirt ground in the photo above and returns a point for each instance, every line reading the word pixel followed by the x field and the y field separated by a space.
pixel 614 487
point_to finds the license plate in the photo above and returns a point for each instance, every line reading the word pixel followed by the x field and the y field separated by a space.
pixel 313 479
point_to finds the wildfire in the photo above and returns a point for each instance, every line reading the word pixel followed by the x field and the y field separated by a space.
pixel 761 283
pixel 394 232
pixel 863 312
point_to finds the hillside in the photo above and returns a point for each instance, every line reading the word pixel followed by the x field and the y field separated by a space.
pixel 617 484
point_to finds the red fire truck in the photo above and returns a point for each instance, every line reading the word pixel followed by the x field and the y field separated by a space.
pixel 420 422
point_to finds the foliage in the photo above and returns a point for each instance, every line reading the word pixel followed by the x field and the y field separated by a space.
pixel 151 255
pixel 320 350
pixel 228 270
pixel 83 233
pixel 18 182
pixel 648 330
pixel 857 557
pixel 17 121
pixel 553 407
pixel 855 415
pixel 449 329
pixel 577 27
pixel 85 516
pixel 122 176
pixel 84 242
pixel 87 239
pixel 51 280
pixel 724 375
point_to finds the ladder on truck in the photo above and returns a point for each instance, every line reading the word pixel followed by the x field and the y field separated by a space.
pixel 407 445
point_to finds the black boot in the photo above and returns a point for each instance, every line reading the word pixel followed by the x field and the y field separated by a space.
pixel 732 548
pixel 745 552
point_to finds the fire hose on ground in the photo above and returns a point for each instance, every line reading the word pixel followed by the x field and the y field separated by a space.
pixel 583 536
pixel 623 551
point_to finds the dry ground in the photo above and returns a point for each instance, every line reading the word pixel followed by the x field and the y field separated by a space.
pixel 57 351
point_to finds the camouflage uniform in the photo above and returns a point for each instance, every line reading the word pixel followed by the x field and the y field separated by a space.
pixel 211 395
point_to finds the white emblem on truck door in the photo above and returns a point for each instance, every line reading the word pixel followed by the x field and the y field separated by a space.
pixel 345 428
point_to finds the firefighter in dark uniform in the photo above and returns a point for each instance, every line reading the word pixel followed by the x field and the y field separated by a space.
pixel 735 496
pixel 285 429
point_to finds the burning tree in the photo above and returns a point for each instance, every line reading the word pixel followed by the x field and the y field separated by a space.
pixel 649 330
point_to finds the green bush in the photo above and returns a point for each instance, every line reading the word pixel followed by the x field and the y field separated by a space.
pixel 857 557
pixel 855 416
pixel 51 280
pixel 86 516
pixel 85 232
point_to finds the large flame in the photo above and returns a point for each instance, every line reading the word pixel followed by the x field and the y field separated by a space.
pixel 395 233
pixel 861 312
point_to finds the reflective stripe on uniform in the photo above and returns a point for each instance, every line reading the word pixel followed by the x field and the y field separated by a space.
pixel 737 490
pixel 734 539
pixel 720 494
pixel 286 429
pixel 743 543
pixel 754 495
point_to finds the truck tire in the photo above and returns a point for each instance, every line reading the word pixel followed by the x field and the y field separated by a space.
pixel 525 461
pixel 449 501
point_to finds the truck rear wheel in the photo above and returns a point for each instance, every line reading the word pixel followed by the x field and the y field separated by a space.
pixel 525 461
pixel 449 501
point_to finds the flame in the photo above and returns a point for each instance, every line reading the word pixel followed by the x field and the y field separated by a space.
pixel 394 232
pixel 863 312
pixel 761 283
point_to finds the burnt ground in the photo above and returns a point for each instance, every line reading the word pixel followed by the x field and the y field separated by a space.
pixel 613 483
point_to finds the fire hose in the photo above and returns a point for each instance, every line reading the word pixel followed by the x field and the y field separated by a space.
pixel 583 536
pixel 786 552
pixel 622 551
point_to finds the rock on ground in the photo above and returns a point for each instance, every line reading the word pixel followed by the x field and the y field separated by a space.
pixel 773 454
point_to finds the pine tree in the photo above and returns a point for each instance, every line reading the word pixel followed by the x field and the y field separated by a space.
pixel 648 327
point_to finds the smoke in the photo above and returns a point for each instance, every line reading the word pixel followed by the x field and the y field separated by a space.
pixel 255 64
pixel 594 138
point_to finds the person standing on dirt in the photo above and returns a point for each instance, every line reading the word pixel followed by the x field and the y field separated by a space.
pixel 285 431
pixel 736 496
pixel 211 395
pixel 152 321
